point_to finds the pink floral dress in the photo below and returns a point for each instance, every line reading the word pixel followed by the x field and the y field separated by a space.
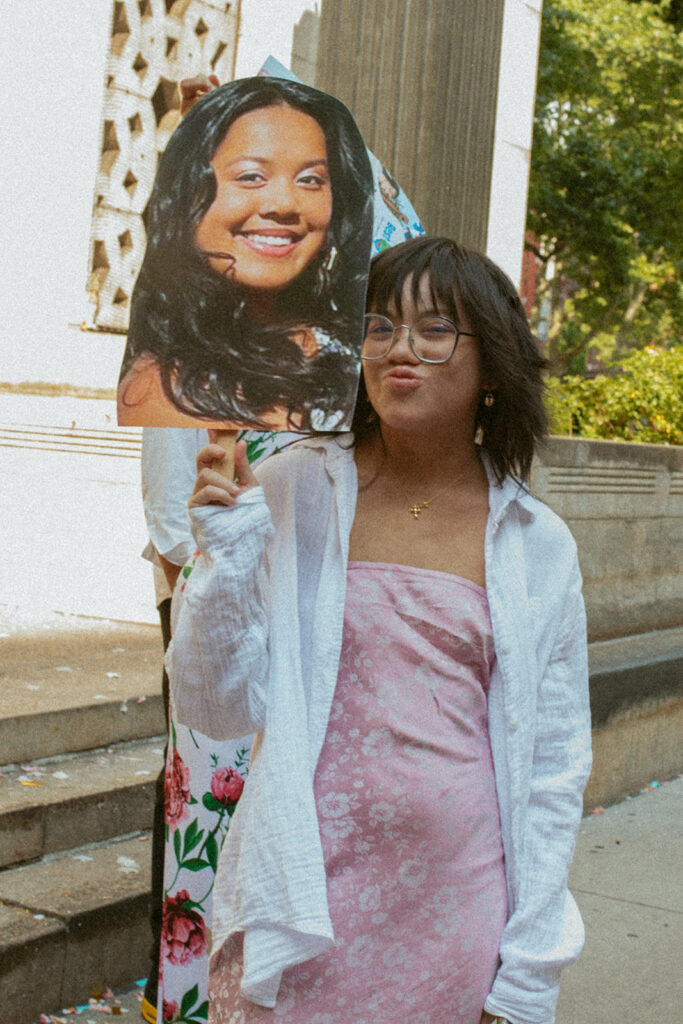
pixel 409 818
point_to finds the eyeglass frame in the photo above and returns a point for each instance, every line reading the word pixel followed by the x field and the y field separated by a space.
pixel 409 327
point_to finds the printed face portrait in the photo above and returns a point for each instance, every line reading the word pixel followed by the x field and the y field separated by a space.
pixel 273 202
pixel 248 308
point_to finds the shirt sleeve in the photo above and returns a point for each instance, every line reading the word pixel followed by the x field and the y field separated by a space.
pixel 544 933
pixel 217 661
pixel 168 474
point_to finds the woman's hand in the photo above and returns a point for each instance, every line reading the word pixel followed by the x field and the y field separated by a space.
pixel 192 89
pixel 211 488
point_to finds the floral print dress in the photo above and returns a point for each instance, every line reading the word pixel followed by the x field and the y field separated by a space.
pixel 409 818
pixel 204 781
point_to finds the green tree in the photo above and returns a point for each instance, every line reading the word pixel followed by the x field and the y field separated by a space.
pixel 643 402
pixel 605 196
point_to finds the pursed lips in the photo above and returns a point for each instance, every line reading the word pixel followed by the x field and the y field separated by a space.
pixel 402 378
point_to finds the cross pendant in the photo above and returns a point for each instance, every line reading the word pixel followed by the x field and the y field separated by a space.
pixel 415 510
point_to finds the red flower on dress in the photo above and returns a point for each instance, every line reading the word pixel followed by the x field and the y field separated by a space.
pixel 170 1010
pixel 227 786
pixel 183 932
pixel 177 789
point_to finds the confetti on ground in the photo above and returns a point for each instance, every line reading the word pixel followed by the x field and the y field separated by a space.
pixel 100 696
pixel 32 686
pixel 113 675
pixel 141 700
pixel 127 865
pixel 60 775
pixel 63 668
pixel 598 810
pixel 118 650
pixel 124 706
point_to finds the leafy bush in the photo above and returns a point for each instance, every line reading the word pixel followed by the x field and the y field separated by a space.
pixel 641 400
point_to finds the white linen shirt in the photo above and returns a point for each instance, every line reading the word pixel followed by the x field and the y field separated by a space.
pixel 256 647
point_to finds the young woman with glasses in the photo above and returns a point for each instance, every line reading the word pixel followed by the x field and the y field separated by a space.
pixel 402 624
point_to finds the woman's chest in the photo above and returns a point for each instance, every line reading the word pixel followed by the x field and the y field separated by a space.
pixel 444 539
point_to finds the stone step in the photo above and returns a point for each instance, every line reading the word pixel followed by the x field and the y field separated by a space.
pixel 72 925
pixel 56 803
pixel 66 691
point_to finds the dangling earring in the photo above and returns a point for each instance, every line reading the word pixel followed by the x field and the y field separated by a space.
pixel 325 276
pixel 489 398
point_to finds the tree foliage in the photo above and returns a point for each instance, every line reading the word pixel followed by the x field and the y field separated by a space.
pixel 642 402
pixel 605 195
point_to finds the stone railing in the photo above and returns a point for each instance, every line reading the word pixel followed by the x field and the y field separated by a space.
pixel 624 505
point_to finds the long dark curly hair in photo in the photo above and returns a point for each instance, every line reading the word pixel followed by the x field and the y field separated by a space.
pixel 215 362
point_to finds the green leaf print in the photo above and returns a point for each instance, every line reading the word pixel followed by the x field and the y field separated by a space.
pixel 195 864
pixel 188 1000
pixel 211 804
pixel 211 852
pixel 193 837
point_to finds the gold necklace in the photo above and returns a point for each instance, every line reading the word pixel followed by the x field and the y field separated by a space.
pixel 416 509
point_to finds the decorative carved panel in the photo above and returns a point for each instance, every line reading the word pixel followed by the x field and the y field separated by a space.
pixel 154 43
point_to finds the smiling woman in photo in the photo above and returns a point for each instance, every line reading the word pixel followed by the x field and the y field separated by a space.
pixel 248 307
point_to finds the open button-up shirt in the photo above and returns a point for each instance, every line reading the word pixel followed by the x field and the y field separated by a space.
pixel 256 648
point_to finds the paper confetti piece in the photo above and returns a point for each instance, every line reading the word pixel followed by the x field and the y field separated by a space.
pixel 60 775
pixel 128 865
pixel 113 675
pixel 63 668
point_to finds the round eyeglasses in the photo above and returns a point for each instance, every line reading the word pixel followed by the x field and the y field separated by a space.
pixel 432 339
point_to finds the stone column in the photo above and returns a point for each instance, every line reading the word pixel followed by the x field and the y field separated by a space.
pixel 422 78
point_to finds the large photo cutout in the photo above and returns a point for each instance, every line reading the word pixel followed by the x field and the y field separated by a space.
pixel 248 309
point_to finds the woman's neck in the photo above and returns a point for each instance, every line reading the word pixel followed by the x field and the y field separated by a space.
pixel 424 461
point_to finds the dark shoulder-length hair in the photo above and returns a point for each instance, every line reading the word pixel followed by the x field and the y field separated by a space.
pixel 510 429
pixel 215 362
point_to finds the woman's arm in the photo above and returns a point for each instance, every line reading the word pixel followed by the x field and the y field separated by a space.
pixel 544 933
pixel 218 659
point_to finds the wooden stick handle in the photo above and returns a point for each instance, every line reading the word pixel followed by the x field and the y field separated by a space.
pixel 227 440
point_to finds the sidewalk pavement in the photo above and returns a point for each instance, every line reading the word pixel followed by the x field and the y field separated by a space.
pixel 628 880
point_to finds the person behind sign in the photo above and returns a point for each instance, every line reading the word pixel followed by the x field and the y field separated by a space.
pixel 248 305
pixel 402 623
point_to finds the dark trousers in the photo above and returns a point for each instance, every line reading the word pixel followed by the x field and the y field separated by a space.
pixel 159 832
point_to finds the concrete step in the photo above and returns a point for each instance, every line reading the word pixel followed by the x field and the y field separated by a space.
pixel 49 805
pixel 66 691
pixel 72 925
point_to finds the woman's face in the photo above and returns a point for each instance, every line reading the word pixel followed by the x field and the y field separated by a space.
pixel 273 199
pixel 410 395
